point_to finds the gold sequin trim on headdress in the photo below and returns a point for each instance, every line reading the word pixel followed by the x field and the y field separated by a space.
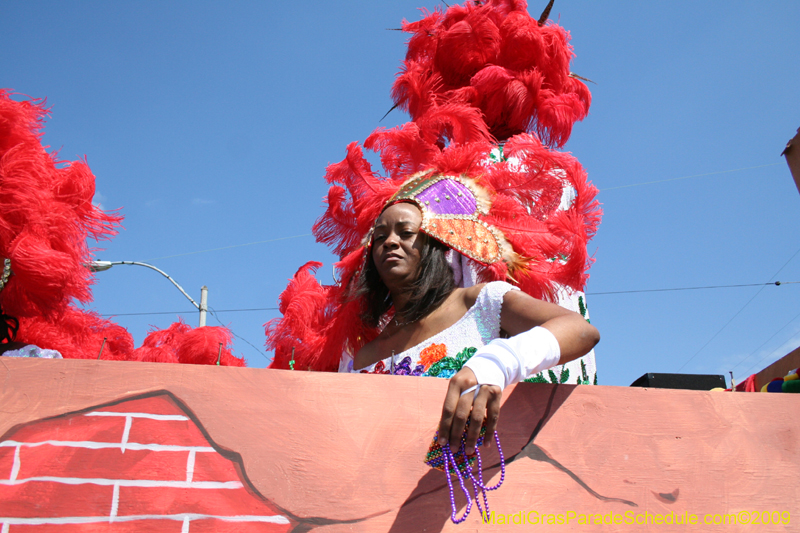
pixel 451 207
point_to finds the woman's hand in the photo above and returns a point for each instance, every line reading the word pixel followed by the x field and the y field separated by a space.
pixel 485 405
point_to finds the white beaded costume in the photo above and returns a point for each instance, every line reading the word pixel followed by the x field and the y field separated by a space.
pixel 446 352
pixel 443 354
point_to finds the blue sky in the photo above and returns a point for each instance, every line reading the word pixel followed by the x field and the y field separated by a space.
pixel 210 125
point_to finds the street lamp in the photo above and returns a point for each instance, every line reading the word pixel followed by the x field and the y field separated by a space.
pixel 99 266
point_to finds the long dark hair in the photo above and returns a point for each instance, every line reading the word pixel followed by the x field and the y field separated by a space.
pixel 433 285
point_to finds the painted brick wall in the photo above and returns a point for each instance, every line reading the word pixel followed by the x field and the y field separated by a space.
pixel 140 465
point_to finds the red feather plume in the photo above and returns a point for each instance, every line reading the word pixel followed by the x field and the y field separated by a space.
pixel 496 58
pixel 46 216
pixel 474 74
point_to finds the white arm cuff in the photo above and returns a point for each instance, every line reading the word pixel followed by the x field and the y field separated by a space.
pixel 503 362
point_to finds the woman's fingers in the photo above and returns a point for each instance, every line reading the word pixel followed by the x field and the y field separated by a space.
pixel 494 395
pixel 463 410
pixel 466 399
pixel 448 412
pixel 476 419
pixel 456 407
pixel 485 410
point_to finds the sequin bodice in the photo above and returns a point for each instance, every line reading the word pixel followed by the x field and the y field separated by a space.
pixel 443 354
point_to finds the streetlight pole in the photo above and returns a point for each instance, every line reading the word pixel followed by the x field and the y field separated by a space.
pixel 99 266
pixel 203 305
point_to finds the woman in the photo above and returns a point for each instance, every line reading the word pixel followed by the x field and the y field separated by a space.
pixel 407 270
pixel 491 96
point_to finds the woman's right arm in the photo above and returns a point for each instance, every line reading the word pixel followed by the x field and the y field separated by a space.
pixel 543 335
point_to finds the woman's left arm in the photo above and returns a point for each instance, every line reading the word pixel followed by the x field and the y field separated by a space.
pixel 541 335
pixel 522 313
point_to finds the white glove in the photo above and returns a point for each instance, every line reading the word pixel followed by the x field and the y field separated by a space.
pixel 504 362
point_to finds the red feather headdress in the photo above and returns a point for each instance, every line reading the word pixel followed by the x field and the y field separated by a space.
pixel 489 92
pixel 46 216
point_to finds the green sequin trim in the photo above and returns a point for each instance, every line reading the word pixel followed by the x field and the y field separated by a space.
pixel 538 378
pixel 497 157
pixel 582 308
pixel 551 377
pixel 451 363
pixel 583 379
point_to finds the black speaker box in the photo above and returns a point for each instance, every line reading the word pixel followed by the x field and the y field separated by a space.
pixel 680 381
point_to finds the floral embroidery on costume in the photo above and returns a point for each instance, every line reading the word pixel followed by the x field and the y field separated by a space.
pixel 404 368
pixel 444 367
pixel 380 368
pixel 446 352
pixel 432 354
pixel 448 366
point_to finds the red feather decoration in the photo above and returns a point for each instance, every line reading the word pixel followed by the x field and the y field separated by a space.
pixel 308 323
pixel 494 57
pixel 402 149
pixel 474 74
pixel 46 216
pixel 180 343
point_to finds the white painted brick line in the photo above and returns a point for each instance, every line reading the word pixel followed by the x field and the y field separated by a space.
pixel 92 445
pixel 15 467
pixel 190 466
pixel 150 483
pixel 126 432
pixel 185 526
pixel 5 528
pixel 274 519
pixel 139 415
pixel 114 503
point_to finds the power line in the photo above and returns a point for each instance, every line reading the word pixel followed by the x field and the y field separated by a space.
pixel 232 246
pixel 153 313
pixel 688 177
pixel 739 311
pixel 768 357
pixel 762 285
pixel 214 314
pixel 763 344
pixel 777 283
pixel 185 312
pixel 722 328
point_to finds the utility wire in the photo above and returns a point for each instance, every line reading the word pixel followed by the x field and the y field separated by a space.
pixel 214 314
pixel 738 312
pixel 694 288
pixel 185 312
pixel 605 189
pixel 153 313
pixel 688 177
pixel 232 246
pixel 762 285
pixel 777 283
pixel 762 345
pixel 771 356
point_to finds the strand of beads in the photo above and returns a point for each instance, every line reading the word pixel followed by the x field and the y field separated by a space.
pixel 477 483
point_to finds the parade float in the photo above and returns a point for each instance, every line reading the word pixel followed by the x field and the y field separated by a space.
pixel 132 444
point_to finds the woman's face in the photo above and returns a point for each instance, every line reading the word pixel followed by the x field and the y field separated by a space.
pixel 397 244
